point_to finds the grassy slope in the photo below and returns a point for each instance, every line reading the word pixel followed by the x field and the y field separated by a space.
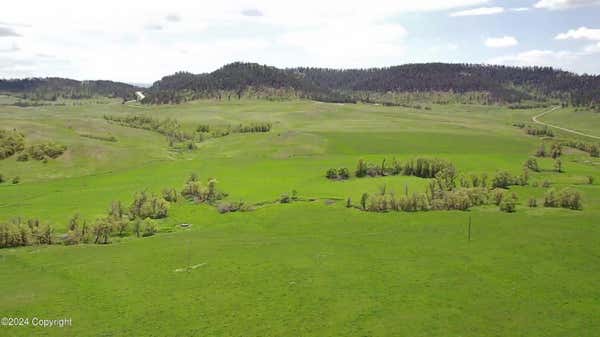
pixel 305 268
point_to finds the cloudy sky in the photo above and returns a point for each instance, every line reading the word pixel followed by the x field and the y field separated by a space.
pixel 141 41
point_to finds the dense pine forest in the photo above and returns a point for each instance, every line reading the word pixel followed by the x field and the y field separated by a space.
pixel 52 88
pixel 407 85
pixel 483 83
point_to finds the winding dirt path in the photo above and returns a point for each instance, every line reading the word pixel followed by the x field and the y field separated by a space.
pixel 535 119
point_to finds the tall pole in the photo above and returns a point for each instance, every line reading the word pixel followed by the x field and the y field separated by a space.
pixel 469 227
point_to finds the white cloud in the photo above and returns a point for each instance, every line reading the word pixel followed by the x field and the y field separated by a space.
pixel 479 11
pixel 172 17
pixel 338 45
pixel 141 41
pixel 578 61
pixel 592 49
pixel 565 4
pixel 519 9
pixel 579 34
pixel 535 57
pixel 6 31
pixel 501 42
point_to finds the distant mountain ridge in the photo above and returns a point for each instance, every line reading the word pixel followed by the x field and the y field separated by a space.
pixel 51 88
pixel 502 83
pixel 481 83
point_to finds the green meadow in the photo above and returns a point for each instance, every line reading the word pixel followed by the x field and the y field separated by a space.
pixel 312 267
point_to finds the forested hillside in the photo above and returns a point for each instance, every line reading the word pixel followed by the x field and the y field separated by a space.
pixel 493 83
pixel 52 88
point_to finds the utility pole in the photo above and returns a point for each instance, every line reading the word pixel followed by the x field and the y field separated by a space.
pixel 469 230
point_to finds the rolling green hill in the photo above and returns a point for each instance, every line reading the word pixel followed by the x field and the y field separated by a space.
pixel 312 267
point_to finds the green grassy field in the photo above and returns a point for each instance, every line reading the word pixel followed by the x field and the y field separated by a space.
pixel 306 268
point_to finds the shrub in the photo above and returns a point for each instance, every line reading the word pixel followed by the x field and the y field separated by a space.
pixel 532 202
pixel 504 179
pixel 149 227
pixel 136 226
pixel 558 165
pixel 363 201
pixel 541 151
pixel 556 150
pixel 23 157
pixel 539 131
pixel 11 142
pixel 16 180
pixel 255 127
pixel 19 233
pixel 1 179
pixel 203 128
pixel 509 204
pixel 285 199
pixel 101 231
pixel 170 194
pixel 343 173
pixel 361 168
pixel 498 195
pixel 196 191
pixel 331 174
pixel 565 198
pixel 148 206
pixel 348 203
pixel 77 231
pixel 570 198
pixel 47 150
pixel 545 184
pixel 532 164
pixel 226 207
pixel 590 179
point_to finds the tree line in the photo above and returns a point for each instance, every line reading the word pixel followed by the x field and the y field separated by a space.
pixel 53 88
pixel 176 135
pixel 139 218
pixel 450 190
pixel 13 142
pixel 487 84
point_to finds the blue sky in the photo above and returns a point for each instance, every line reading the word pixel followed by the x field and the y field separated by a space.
pixel 141 41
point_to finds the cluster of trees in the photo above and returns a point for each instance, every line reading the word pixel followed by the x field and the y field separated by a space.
pixel 254 127
pixel 138 219
pixel 24 233
pixel 338 174
pixel 196 191
pixel 542 131
pixel 565 198
pixel 171 128
pixel 504 179
pixel 555 151
pixel 43 151
pixel 437 197
pixel 11 142
pixel 103 229
pixel 14 180
pixel 592 149
pixel 53 88
pixel 418 167
pixel 234 206
pixel 99 137
pixel 175 134
pixel 469 83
